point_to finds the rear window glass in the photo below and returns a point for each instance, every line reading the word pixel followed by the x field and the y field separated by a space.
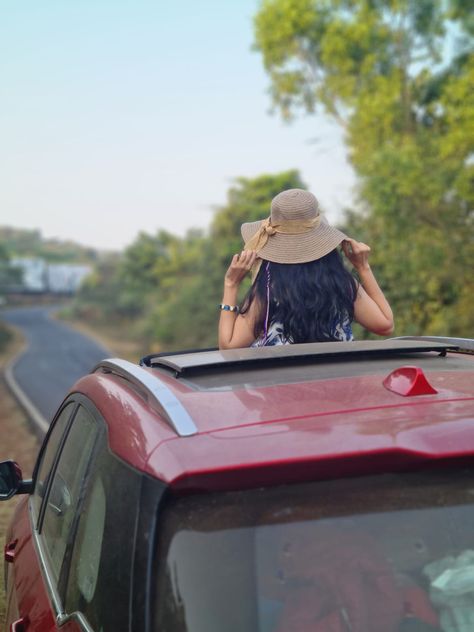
pixel 391 552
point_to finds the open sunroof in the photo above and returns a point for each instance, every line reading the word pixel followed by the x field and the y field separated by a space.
pixel 199 361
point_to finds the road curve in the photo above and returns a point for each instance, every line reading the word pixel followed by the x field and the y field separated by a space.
pixel 54 358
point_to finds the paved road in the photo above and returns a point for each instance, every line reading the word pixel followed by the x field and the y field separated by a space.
pixel 55 357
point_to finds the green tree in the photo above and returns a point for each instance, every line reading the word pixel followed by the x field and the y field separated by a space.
pixel 145 268
pixel 166 289
pixel 187 316
pixel 96 299
pixel 22 242
pixel 9 275
pixel 398 76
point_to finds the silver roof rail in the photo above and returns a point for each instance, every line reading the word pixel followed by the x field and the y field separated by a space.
pixel 465 345
pixel 157 392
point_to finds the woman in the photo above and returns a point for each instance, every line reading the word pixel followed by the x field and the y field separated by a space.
pixel 301 291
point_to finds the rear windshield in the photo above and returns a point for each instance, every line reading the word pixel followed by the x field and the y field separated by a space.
pixel 388 553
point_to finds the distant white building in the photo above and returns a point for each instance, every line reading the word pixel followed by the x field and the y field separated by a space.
pixel 66 277
pixel 58 278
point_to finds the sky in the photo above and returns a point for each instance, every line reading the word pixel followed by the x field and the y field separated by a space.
pixel 120 116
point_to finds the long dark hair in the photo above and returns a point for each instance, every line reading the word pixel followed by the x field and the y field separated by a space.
pixel 308 299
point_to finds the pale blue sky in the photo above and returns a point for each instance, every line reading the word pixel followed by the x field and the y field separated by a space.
pixel 120 116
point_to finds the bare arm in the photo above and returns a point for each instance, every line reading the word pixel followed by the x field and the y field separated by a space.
pixel 371 308
pixel 236 330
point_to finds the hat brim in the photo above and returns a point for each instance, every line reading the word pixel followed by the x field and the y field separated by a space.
pixel 300 248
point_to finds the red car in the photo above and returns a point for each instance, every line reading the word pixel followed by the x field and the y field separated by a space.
pixel 323 487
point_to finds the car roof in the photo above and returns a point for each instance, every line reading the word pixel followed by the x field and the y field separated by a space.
pixel 224 419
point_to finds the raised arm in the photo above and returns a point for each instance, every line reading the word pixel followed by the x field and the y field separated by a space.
pixel 236 330
pixel 371 308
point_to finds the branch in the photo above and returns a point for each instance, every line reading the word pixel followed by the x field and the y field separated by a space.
pixel 317 77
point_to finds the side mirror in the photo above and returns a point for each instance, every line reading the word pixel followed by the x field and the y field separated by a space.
pixel 11 480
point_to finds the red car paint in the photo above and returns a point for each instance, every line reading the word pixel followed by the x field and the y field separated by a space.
pixel 28 588
pixel 251 436
pixel 242 431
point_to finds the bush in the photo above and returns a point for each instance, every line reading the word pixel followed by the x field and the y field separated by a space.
pixel 5 337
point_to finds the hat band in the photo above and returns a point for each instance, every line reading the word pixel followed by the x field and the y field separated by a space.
pixel 292 227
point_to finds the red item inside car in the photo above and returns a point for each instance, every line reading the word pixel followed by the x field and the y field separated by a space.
pixel 342 582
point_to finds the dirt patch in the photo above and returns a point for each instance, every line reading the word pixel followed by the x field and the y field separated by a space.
pixel 18 443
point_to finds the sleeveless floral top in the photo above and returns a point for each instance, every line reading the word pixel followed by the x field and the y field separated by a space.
pixel 342 332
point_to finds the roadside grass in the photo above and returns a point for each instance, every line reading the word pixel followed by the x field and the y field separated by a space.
pixel 18 442
pixel 113 337
pixel 5 336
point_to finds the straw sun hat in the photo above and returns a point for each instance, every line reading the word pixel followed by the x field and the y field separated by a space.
pixel 295 232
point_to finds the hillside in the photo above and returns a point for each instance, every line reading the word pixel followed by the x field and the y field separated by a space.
pixel 19 242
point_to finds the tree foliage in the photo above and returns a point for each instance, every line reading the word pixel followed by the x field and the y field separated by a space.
pixel 8 274
pixel 20 242
pixel 398 76
pixel 165 289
